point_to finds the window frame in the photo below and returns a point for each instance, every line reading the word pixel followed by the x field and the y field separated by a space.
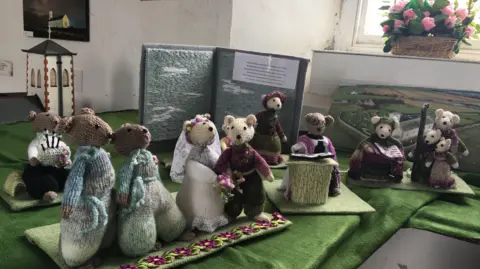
pixel 348 38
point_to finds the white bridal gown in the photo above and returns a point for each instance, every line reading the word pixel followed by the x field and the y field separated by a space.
pixel 199 198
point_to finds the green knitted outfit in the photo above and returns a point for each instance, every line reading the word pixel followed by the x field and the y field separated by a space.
pixel 88 191
pixel 151 211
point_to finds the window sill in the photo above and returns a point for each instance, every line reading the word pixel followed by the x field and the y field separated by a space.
pixel 466 55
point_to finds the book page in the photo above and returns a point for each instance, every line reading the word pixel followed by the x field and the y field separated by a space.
pixel 392 151
pixel 265 70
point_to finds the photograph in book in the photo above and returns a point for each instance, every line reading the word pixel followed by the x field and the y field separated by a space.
pixel 354 106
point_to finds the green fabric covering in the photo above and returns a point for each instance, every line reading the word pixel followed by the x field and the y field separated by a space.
pixel 406 184
pixel 347 202
pixel 314 241
pixel 451 215
pixel 46 238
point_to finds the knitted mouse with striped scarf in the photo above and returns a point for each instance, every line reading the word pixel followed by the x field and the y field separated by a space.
pixel 88 210
pixel 147 210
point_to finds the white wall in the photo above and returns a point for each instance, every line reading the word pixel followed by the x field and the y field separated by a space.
pixel 292 27
pixel 110 61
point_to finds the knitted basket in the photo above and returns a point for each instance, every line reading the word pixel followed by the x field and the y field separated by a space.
pixel 309 182
pixel 14 184
pixel 425 46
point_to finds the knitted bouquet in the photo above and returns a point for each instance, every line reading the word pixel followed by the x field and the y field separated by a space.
pixel 224 181
pixel 440 18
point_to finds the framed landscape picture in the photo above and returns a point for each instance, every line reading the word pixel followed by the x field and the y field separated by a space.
pixel 68 19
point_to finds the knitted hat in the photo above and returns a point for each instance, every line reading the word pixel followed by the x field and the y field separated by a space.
pixel 385 120
pixel 271 95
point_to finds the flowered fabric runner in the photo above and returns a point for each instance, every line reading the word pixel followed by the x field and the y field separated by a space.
pixel 205 245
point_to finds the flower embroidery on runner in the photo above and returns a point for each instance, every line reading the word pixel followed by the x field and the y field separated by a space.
pixel 205 245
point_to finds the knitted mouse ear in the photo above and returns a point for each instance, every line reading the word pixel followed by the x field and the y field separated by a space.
pixel 87 110
pixel 65 125
pixel 206 115
pixel 187 126
pixel 329 120
pixel 32 115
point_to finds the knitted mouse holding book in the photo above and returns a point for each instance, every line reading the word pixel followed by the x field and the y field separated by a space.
pixel 147 211
pixel 269 134
pixel 379 155
pixel 88 210
pixel 247 167
pixel 45 174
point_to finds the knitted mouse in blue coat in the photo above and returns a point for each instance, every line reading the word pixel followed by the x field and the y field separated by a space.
pixel 88 209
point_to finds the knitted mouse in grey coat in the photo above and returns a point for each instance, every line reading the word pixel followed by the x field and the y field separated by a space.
pixel 147 210
pixel 88 211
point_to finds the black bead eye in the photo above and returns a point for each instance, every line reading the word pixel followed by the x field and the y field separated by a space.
pixel 381 127
pixel 203 123
pixel 245 128
pixel 232 127
pixel 129 130
pixel 97 126
pixel 48 115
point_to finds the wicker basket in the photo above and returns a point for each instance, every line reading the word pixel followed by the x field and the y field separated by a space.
pixel 425 46
pixel 309 181
pixel 14 184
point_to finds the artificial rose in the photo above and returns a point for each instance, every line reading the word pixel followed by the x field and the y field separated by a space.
pixel 461 13
pixel 426 14
pixel 469 32
pixel 450 22
pixel 398 6
pixel 398 24
pixel 428 23
pixel 409 14
pixel 386 28
pixel 447 10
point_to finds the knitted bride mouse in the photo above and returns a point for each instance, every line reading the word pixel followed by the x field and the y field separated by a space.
pixel 88 210
pixel 182 150
pixel 199 197
pixel 147 210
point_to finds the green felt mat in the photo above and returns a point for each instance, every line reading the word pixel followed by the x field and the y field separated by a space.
pixel 406 184
pixel 451 215
pixel 345 203
pixel 46 238
pixel 24 201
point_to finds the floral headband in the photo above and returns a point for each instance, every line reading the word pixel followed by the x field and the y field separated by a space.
pixel 193 122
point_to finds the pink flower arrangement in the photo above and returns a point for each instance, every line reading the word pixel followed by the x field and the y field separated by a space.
pixel 426 18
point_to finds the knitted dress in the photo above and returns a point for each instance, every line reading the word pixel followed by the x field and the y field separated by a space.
pixel 441 173
pixel 139 179
pixel 199 198
pixel 88 192
pixel 457 143
pixel 268 134
pixel 377 162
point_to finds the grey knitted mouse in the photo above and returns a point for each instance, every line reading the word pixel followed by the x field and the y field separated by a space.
pixel 88 211
pixel 147 210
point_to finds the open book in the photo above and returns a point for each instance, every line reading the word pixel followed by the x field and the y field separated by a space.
pixel 315 156
pixel 392 151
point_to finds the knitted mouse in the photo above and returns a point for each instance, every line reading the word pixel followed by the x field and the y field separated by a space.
pixel 315 142
pixel 446 121
pixel 268 132
pixel 88 210
pixel 248 167
pixel 443 162
pixel 147 210
pixel 45 174
pixel 199 197
pixel 379 154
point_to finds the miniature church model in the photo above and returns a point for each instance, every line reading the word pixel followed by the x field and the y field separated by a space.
pixel 50 76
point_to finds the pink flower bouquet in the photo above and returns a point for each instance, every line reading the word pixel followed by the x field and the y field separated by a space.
pixel 226 185
pixel 428 18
